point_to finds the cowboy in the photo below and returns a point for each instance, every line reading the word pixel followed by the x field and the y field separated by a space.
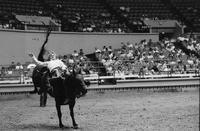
pixel 55 66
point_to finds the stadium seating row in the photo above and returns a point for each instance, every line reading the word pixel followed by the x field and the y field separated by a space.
pixel 102 16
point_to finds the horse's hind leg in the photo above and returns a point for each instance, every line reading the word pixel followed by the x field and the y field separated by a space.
pixel 59 116
pixel 71 108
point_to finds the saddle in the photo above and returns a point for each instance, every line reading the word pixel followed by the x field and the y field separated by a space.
pixel 56 72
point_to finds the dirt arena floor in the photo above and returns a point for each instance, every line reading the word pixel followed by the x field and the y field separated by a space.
pixel 106 111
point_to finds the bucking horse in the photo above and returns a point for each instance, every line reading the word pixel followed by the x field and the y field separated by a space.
pixel 56 88
pixel 71 86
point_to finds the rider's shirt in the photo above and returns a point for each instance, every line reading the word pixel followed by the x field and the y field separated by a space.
pixel 55 63
pixel 51 64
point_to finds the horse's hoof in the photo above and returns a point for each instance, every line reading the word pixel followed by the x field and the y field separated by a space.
pixel 75 126
pixel 61 125
pixel 42 105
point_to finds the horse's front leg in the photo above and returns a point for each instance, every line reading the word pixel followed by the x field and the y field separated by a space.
pixel 43 99
pixel 71 108
pixel 59 116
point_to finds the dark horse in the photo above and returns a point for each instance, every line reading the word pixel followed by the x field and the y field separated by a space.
pixel 56 88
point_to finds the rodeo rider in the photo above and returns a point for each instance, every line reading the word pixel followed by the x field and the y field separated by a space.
pixel 56 67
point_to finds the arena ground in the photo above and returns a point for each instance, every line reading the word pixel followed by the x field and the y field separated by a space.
pixel 130 110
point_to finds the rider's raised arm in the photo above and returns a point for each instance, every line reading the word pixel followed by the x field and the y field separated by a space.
pixel 37 61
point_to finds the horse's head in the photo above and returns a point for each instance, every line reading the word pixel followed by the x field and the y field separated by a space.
pixel 70 86
pixel 76 84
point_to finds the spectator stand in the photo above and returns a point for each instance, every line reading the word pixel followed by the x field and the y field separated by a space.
pixel 142 60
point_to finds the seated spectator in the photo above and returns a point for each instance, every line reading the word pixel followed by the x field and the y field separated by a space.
pixel 12 66
pixel 75 54
pixel 19 66
pixel 190 46
pixel 129 45
pixel 161 56
pixel 110 49
pixel 97 50
pixel 150 56
pixel 71 60
pixel 81 53
pixel 190 61
pixel 155 69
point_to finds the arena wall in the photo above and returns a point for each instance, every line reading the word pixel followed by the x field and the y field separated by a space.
pixel 16 44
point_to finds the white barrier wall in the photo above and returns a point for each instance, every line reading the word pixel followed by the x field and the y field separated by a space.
pixel 15 44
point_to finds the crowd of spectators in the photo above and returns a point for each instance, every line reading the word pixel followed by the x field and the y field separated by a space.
pixel 79 61
pixel 98 16
pixel 192 44
pixel 147 57
pixel 142 58
pixel 12 70
pixel 102 22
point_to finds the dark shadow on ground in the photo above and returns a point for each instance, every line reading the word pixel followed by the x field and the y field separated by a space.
pixel 43 127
